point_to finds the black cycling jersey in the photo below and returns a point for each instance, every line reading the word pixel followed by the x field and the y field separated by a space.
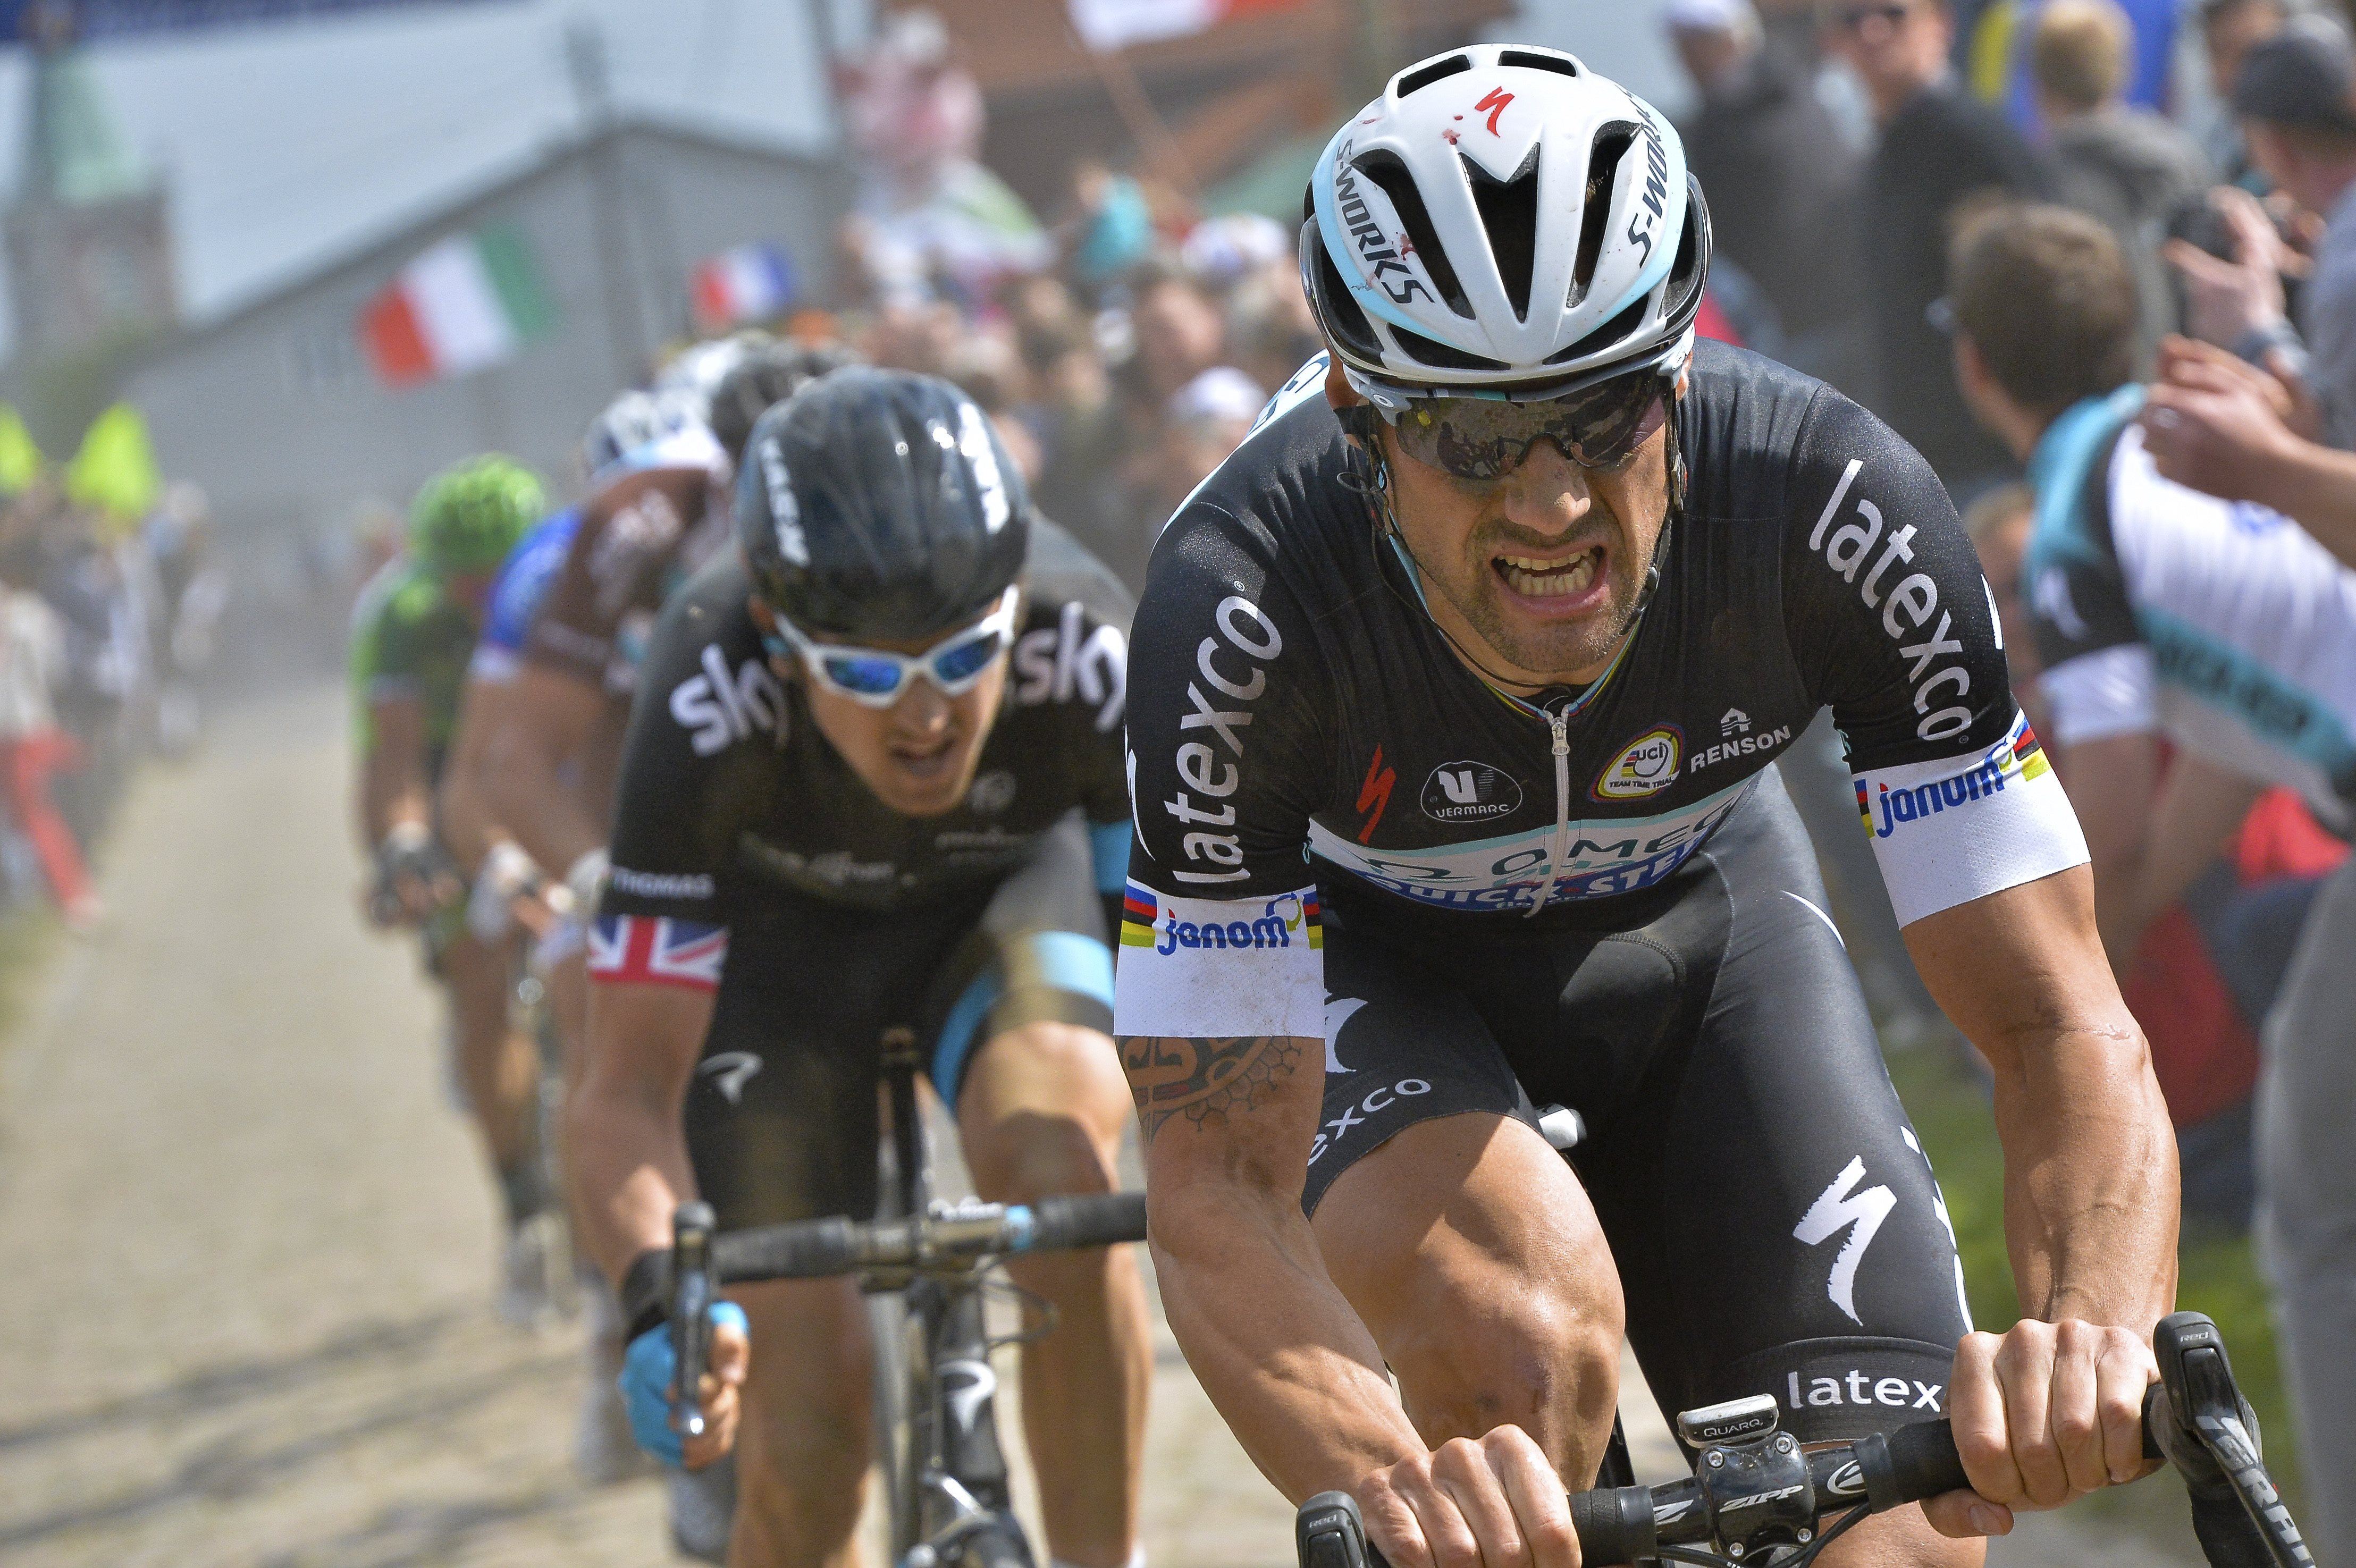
pixel 1288 694
pixel 751 861
pixel 728 792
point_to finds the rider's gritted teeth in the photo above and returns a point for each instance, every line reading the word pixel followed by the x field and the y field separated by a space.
pixel 1536 577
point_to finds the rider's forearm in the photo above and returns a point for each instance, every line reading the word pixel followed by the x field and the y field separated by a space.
pixel 1271 1339
pixel 2090 1198
pixel 392 790
pixel 626 1149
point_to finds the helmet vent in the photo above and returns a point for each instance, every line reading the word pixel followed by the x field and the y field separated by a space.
pixel 1530 60
pixel 1387 170
pixel 1509 212
pixel 1611 144
pixel 1416 81
pixel 1609 333
pixel 1436 353
pixel 1691 266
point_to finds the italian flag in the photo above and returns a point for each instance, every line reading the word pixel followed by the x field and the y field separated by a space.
pixel 1108 25
pixel 465 304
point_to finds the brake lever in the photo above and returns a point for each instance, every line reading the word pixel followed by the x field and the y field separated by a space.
pixel 691 1293
pixel 2210 1435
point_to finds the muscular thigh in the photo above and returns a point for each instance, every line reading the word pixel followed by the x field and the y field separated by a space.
pixel 1777 1225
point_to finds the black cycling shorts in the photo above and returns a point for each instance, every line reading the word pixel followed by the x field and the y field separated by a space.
pixel 1775 1223
pixel 783 1113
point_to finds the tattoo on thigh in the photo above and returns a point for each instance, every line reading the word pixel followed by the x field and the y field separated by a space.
pixel 1200 1079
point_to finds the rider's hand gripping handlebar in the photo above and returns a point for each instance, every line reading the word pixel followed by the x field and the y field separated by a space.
pixel 1754 1489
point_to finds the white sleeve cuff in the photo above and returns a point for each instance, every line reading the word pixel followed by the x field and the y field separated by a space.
pixel 1219 968
pixel 1960 828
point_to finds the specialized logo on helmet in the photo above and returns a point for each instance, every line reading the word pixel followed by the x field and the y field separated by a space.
pixel 1373 246
pixel 785 512
pixel 973 440
pixel 1642 224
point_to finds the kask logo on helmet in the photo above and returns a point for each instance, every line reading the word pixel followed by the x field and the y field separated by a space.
pixel 785 511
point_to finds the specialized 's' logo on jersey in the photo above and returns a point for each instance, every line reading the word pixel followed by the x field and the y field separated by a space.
pixel 1375 795
pixel 1841 1208
pixel 1646 766
pixel 1469 792
pixel 720 708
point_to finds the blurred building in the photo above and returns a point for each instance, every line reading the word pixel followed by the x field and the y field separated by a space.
pixel 358 380
pixel 89 249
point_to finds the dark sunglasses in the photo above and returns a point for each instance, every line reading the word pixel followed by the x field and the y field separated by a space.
pixel 1487 438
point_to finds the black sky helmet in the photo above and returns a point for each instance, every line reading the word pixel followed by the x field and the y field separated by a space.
pixel 764 377
pixel 878 507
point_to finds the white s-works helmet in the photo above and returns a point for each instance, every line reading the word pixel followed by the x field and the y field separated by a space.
pixel 1503 222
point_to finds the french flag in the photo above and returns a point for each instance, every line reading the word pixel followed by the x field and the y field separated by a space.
pixel 743 284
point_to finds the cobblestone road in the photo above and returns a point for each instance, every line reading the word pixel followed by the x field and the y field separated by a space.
pixel 247 1250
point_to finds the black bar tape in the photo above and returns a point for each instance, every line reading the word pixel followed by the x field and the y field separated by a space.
pixel 1096 1220
pixel 645 1294
pixel 808 1249
pixel 1615 1524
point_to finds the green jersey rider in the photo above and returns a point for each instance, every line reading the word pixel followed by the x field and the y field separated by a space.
pixel 412 631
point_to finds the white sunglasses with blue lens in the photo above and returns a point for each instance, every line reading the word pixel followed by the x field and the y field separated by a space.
pixel 876 677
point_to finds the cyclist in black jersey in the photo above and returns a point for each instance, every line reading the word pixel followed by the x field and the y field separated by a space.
pixel 873 767
pixel 1452 699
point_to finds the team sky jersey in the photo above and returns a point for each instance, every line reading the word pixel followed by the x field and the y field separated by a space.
pixel 729 796
pixel 1290 699
pixel 524 580
pixel 2159 608
pixel 634 545
pixel 410 639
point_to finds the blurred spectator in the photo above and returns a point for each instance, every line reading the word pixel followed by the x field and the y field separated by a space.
pixel 1998 524
pixel 2228 28
pixel 1112 226
pixel 2123 165
pixel 2165 616
pixel 2208 967
pixel 1205 420
pixel 1938 147
pixel 931 219
pixel 2294 98
pixel 33 748
pixel 1178 334
pixel 1781 180
pixel 1223 251
pixel 1270 331
pixel 2220 425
